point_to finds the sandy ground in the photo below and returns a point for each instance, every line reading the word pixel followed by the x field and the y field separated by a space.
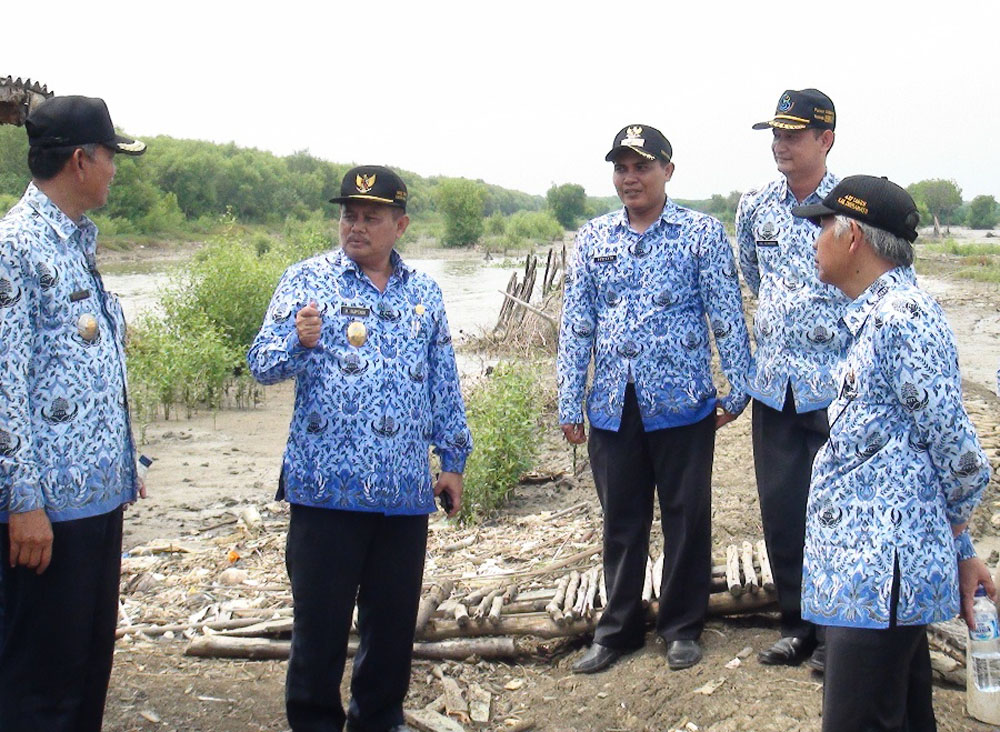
pixel 209 466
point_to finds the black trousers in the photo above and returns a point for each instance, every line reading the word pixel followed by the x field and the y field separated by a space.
pixel 59 629
pixel 332 558
pixel 878 680
pixel 628 466
pixel 784 446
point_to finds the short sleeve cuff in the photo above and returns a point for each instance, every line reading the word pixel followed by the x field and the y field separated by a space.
pixel 734 403
pixel 964 547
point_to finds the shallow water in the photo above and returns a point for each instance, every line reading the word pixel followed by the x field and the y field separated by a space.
pixel 470 288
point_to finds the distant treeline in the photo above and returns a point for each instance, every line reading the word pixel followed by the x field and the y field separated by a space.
pixel 180 181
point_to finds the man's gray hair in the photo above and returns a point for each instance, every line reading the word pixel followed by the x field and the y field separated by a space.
pixel 887 245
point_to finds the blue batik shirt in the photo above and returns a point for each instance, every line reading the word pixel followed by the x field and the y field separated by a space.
pixel 800 338
pixel 902 466
pixel 640 305
pixel 65 438
pixel 364 415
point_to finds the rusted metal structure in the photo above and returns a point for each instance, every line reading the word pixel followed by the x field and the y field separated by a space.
pixel 18 98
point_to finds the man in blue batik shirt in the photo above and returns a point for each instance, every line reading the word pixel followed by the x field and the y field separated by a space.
pixel 67 458
pixel 799 339
pixel 887 545
pixel 647 285
pixel 366 339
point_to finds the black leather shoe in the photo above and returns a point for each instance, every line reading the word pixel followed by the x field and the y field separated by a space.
pixel 788 651
pixel 597 658
pixel 817 661
pixel 683 654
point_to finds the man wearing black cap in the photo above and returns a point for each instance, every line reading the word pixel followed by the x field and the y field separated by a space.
pixel 67 458
pixel 646 284
pixel 887 547
pixel 800 340
pixel 367 341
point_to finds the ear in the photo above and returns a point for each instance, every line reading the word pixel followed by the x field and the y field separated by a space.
pixel 669 170
pixel 857 238
pixel 75 162
pixel 401 223
pixel 827 140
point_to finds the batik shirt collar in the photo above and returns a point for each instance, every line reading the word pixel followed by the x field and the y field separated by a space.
pixel 343 263
pixel 63 226
pixel 859 310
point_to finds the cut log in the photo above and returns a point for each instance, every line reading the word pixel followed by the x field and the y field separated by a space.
pixel 554 607
pixel 461 615
pixel 263 648
pixel 495 609
pixel 571 588
pixel 647 584
pixel 658 574
pixel 429 603
pixel 581 595
pixel 733 571
pixel 153 630
pixel 750 583
pixel 588 605
pixel 766 576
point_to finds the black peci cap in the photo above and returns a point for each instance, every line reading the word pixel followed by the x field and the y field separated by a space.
pixel 648 141
pixel 373 183
pixel 73 121
pixel 800 109
pixel 875 201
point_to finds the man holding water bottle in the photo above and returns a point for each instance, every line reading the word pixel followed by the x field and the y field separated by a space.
pixel 366 339
pixel 887 548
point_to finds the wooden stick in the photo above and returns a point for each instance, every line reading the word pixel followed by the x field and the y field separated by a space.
pixel 588 605
pixel 483 609
pixel 155 630
pixel 733 571
pixel 532 308
pixel 766 578
pixel 602 589
pixel 749 576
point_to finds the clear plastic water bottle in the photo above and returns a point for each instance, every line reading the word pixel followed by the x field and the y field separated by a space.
pixel 982 690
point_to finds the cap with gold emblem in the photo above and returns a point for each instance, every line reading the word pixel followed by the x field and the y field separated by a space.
pixel 73 121
pixel 797 110
pixel 372 183
pixel 875 201
pixel 648 141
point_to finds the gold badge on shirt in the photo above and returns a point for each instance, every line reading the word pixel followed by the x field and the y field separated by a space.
pixel 357 334
pixel 87 327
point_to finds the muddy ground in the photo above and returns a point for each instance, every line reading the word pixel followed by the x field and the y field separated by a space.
pixel 207 468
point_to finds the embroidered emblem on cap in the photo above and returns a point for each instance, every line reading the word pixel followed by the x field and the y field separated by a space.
pixel 786 103
pixel 632 137
pixel 854 203
pixel 365 183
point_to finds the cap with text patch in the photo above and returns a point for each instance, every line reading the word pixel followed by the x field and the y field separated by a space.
pixel 647 141
pixel 874 201
pixel 372 183
pixel 76 121
pixel 797 110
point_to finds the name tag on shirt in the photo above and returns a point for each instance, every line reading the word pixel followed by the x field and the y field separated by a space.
pixel 767 243
pixel 355 312
pixel 606 258
pixel 79 295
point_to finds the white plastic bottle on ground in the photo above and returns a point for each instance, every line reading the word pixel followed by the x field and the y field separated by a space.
pixel 982 689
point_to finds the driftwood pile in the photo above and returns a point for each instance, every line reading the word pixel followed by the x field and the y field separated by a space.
pixel 488 593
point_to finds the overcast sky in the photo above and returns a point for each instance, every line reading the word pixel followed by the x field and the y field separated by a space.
pixel 527 94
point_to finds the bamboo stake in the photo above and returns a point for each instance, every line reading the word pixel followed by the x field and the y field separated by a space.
pixel 429 603
pixel 554 608
pixel 571 588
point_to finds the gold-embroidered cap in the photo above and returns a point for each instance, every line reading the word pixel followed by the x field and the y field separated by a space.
pixel 648 141
pixel 798 109
pixel 372 183
pixel 875 201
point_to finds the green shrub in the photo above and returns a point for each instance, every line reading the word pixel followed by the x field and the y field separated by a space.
pixel 503 415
